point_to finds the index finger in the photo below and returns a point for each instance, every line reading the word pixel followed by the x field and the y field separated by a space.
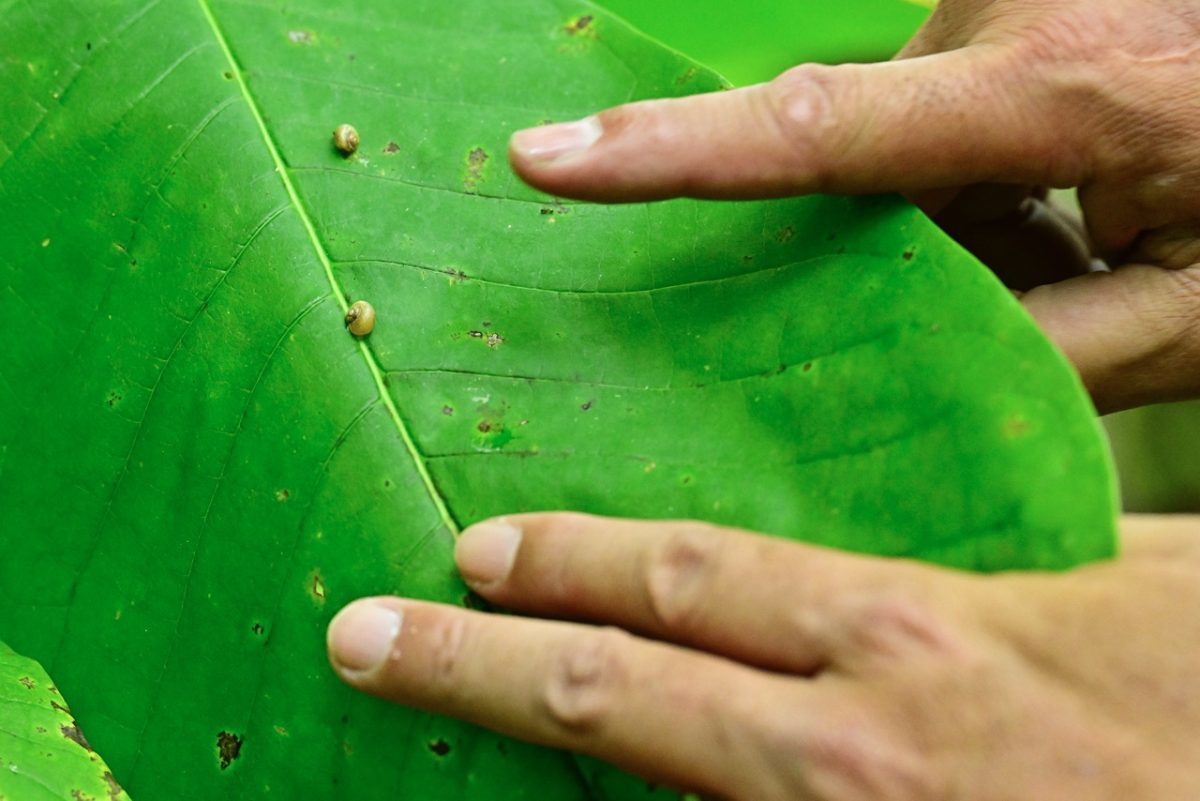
pixel 940 120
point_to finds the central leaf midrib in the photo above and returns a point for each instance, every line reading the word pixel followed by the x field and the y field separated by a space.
pixel 338 293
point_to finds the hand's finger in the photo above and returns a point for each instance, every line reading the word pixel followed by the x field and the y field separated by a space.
pixel 1133 334
pixel 805 608
pixel 941 120
pixel 684 718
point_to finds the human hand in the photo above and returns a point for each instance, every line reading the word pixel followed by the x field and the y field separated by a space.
pixel 1026 93
pixel 766 670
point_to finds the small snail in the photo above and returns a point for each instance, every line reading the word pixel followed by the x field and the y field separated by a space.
pixel 360 319
pixel 345 139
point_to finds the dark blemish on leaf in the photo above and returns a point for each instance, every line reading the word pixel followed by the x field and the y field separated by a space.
pixel 387 483
pixel 282 495
pixel 476 159
pixel 439 747
pixel 113 399
pixel 227 75
pixel 391 148
pixel 487 323
pixel 456 276
pixel 1015 427
pixel 908 254
pixel 73 734
pixel 229 748
pixel 686 76
pixel 258 629
pixel 28 682
pixel 40 729
pixel 807 366
pixel 351 57
pixel 282 732
pixel 114 789
pixel 685 480
pixel 786 233
pixel 484 426
pixel 316 586
pixel 300 37
pixel 80 795
pixel 52 689
pixel 587 405
pixel 448 411
pixel 87 45
pixel 475 334
pixel 59 707
pixel 578 25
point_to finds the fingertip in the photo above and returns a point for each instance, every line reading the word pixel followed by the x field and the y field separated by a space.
pixel 362 637
pixel 485 552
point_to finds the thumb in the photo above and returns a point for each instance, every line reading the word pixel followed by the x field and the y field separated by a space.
pixel 1133 334
pixel 941 120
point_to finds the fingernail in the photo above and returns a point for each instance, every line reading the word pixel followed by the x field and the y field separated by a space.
pixel 486 551
pixel 556 142
pixel 363 635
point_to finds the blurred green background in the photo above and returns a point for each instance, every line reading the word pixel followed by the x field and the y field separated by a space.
pixel 1157 448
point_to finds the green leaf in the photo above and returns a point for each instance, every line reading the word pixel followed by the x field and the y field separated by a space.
pixel 199 465
pixel 43 753
pixel 755 40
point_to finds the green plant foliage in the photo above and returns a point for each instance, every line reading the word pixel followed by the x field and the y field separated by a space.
pixel 199 465
pixel 755 40
pixel 43 753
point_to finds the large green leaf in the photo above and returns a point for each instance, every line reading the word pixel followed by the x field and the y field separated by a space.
pixel 199 465
pixel 755 40
pixel 44 756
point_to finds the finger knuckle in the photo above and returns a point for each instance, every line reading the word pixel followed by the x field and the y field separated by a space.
pixel 802 106
pixel 856 760
pixel 586 678
pixel 446 639
pixel 898 623
pixel 680 573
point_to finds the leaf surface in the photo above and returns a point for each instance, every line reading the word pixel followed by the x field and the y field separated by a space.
pixel 199 465
pixel 44 755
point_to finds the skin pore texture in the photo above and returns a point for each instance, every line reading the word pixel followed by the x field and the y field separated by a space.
pixel 765 670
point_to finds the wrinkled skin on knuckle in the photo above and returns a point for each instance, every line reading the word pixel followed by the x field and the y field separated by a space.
pixel 447 646
pixel 679 574
pixel 898 623
pixel 801 105
pixel 587 677
pixel 850 757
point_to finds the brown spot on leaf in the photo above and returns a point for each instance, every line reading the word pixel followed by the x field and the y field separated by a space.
pixel 786 233
pixel 908 254
pixel 59 706
pixel 28 682
pixel 80 795
pixel 587 405
pixel 456 276
pixel 391 148
pixel 578 25
pixel 439 747
pixel 114 789
pixel 282 495
pixel 476 159
pixel 317 586
pixel 686 76
pixel 229 748
pixel 448 411
pixel 73 734
pixel 475 334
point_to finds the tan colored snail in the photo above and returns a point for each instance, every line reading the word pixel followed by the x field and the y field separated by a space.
pixel 360 318
pixel 345 139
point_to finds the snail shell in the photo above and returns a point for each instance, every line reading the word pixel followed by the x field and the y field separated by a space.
pixel 360 318
pixel 345 139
